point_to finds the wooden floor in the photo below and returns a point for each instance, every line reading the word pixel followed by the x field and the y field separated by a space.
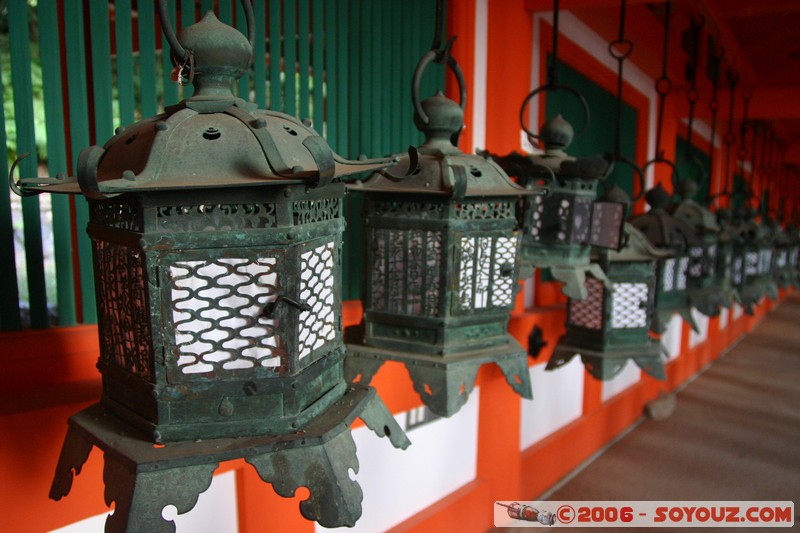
pixel 734 435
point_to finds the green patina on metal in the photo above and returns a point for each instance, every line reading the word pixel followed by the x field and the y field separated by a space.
pixel 611 326
pixel 706 291
pixel 441 264
pixel 729 262
pixel 217 232
pixel 781 268
pixel 562 223
pixel 667 232
pixel 756 248
pixel 793 245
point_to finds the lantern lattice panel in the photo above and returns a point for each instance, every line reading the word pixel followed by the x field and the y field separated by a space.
pixel 764 261
pixel 696 264
pixel 217 314
pixel 581 220
pixel 412 282
pixel 124 312
pixel 668 274
pixel 588 313
pixel 751 263
pixel 711 261
pixel 480 284
pixel 737 270
pixel 209 217
pixel 317 325
pixel 628 305
pixel 680 278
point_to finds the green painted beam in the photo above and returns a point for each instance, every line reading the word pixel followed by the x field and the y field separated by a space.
pixel 19 43
pixel 75 51
pixel 170 87
pixel 290 56
pixel 260 54
pixel 9 292
pixel 57 160
pixel 275 85
pixel 187 19
pixel 123 28
pixel 304 59
pixel 147 62
pixel 243 85
pixel 318 62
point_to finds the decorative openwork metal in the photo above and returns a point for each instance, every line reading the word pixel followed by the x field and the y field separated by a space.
pixel 441 265
pixel 217 235
pixel 561 226
pixel 782 271
pixel 793 238
pixel 669 233
pixel 611 326
pixel 703 283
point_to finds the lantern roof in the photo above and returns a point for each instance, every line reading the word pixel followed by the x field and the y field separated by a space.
pixel 728 229
pixel 637 248
pixel 661 228
pixel 697 216
pixel 442 168
pixel 210 140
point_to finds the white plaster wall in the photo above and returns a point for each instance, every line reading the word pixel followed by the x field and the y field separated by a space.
pixel 629 375
pixel 738 311
pixel 397 484
pixel 723 318
pixel 702 323
pixel 557 401
pixel 671 339
pixel 215 512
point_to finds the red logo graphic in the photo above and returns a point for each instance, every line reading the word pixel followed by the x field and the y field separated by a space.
pixel 565 514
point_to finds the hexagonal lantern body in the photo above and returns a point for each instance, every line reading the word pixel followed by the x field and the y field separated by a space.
pixel 561 226
pixel 781 267
pixel 667 232
pixel 216 231
pixel 611 326
pixel 703 285
pixel 730 261
pixel 793 238
pixel 441 269
pixel 755 247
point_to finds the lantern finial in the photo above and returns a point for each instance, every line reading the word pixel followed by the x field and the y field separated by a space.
pixel 556 134
pixel 688 188
pixel 658 197
pixel 445 119
pixel 220 55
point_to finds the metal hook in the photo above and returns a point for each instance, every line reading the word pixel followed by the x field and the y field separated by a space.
pixel 413 165
pixel 14 185
pixel 554 87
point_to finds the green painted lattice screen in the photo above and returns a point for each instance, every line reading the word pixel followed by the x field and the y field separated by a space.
pixel 73 70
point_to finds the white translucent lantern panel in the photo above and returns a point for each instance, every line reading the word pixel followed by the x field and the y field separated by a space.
pixel 781 259
pixel 696 264
pixel 588 313
pixel 535 221
pixel 711 260
pixel 486 272
pixel 751 263
pixel 668 274
pixel 316 326
pixel 629 305
pixel 218 314
pixel 737 267
pixel 764 260
pixel 680 277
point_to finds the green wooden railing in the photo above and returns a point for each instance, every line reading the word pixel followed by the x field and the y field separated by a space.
pixel 346 64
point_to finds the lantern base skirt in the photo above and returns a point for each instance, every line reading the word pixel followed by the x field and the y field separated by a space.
pixel 443 383
pixel 604 365
pixel 710 300
pixel 142 479
pixel 661 318
pixel 574 279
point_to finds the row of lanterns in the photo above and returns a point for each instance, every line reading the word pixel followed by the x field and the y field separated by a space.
pixel 217 230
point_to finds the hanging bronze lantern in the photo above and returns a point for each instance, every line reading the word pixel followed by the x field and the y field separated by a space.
pixel 216 231
pixel 667 232
pixel 781 268
pixel 729 270
pixel 756 250
pixel 704 290
pixel 793 238
pixel 560 227
pixel 611 326
pixel 441 265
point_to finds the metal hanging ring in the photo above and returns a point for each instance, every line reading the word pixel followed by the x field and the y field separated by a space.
pixel 438 56
pixel 554 87
pixel 660 159
pixel 179 54
pixel 621 49
pixel 636 170
pixel 12 183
